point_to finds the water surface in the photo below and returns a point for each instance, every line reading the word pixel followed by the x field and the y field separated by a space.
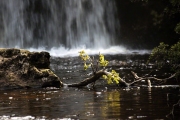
pixel 102 102
pixel 99 103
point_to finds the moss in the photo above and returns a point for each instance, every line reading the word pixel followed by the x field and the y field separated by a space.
pixel 11 77
pixel 9 52
pixel 39 59
pixel 2 74
pixel 24 52
pixel 48 72
pixel 21 68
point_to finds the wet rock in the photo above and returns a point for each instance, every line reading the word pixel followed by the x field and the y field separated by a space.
pixel 24 69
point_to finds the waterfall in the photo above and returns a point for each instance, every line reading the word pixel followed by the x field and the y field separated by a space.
pixel 56 23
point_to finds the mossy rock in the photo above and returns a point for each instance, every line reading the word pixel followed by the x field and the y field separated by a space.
pixel 39 59
pixel 21 68
pixel 9 52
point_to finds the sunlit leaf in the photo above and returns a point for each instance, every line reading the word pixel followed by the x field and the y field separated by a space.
pixel 85 66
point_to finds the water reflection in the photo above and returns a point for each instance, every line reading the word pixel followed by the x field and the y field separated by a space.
pixel 111 106
pixel 101 103
pixel 149 95
pixel 104 105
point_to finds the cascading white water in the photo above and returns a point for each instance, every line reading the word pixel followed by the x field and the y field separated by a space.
pixel 12 24
pixel 29 23
pixel 55 23
pixel 86 23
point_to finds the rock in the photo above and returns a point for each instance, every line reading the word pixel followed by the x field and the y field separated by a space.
pixel 24 69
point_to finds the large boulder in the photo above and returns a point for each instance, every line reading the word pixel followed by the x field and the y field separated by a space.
pixel 24 69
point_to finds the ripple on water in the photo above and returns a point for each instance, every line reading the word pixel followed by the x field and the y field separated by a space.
pixel 102 102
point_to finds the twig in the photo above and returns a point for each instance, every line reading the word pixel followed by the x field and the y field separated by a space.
pixel 172 111
pixel 138 79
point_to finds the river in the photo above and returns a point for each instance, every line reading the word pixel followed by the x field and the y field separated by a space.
pixel 102 102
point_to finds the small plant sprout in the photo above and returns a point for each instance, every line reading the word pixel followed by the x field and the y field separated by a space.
pixel 102 62
pixel 111 77
pixel 85 58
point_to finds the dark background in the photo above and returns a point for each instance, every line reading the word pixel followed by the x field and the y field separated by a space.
pixel 144 24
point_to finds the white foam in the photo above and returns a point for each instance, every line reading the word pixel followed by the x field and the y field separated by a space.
pixel 113 50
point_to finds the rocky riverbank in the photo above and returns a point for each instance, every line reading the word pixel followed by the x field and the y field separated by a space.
pixel 21 68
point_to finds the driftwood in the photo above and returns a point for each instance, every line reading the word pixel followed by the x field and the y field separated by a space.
pixel 122 83
pixel 93 79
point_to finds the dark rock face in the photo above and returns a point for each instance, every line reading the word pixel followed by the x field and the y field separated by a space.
pixel 23 69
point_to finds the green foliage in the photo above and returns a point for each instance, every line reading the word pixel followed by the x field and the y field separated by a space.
pixel 177 29
pixel 102 61
pixel 175 2
pixel 174 55
pixel 159 54
pixel 165 54
pixel 112 77
pixel 89 62
pixel 84 57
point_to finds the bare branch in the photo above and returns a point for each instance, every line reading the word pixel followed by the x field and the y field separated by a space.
pixel 172 111
pixel 138 79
